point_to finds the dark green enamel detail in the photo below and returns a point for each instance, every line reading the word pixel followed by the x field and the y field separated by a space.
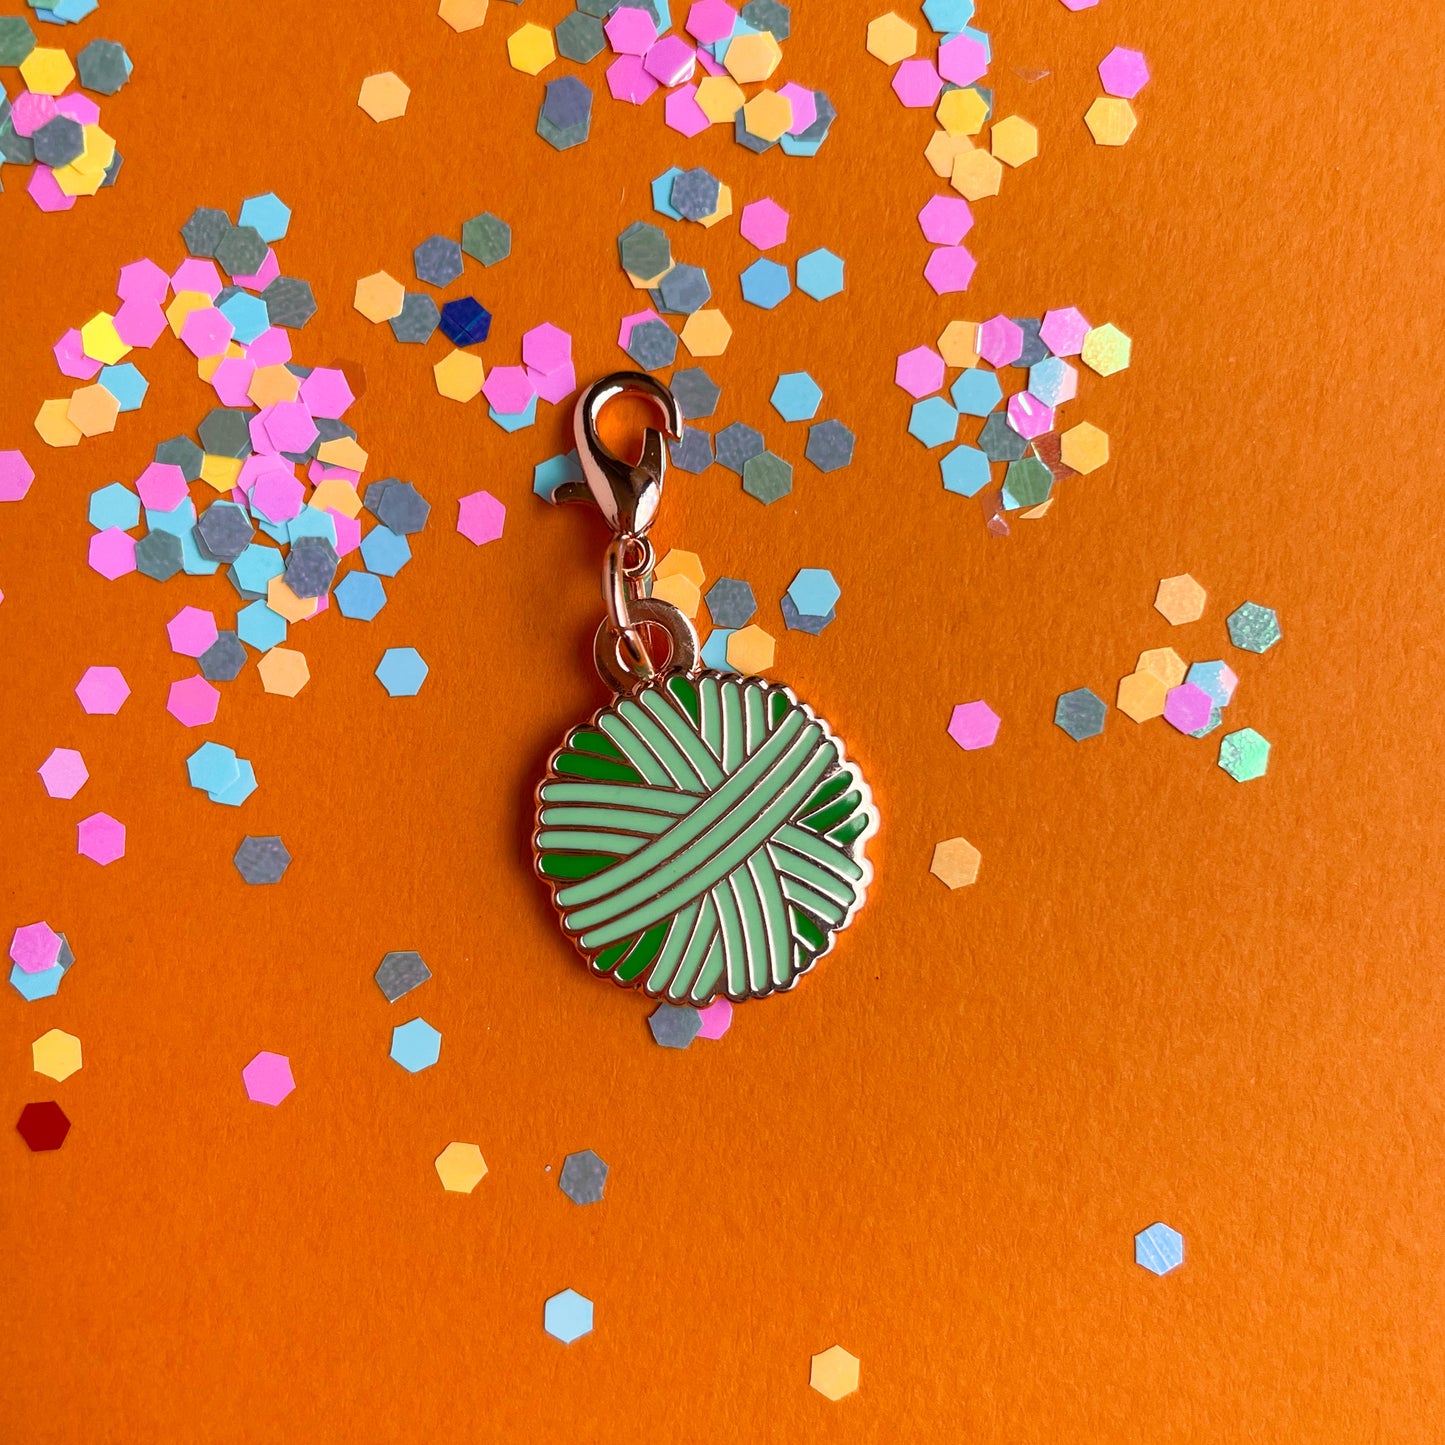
pixel 602 770
pixel 606 961
pixel 808 932
pixel 574 865
pixel 686 693
pixel 643 952
pixel 846 832
pixel 826 791
pixel 834 813
pixel 778 706
pixel 587 741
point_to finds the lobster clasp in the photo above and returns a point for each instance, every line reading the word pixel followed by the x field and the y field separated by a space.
pixel 626 494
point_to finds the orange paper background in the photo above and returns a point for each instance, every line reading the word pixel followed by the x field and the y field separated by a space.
pixel 1168 997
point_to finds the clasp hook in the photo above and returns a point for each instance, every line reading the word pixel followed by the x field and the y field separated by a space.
pixel 627 495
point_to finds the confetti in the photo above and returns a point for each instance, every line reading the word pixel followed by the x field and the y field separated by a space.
pixel 63 773
pixel 1244 755
pixel 973 725
pixel 400 972
pixel 1159 1249
pixel 834 1373
pixel 767 477
pixel 56 1054
pixel 567 1316
pixel 384 96
pixel 401 671
pixel 1111 121
pixel 583 1177
pixel 100 838
pixel 415 1045
pixel 955 863
pixel 1253 628
pixel 1080 713
pixel 460 1167
pixel 820 274
pixel 1123 72
pixel 268 1078
pixel 43 1125
pixel 750 650
pixel 673 1027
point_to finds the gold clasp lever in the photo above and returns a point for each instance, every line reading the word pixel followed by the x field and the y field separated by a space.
pixel 627 494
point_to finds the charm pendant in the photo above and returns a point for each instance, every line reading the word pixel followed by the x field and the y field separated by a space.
pixel 704 834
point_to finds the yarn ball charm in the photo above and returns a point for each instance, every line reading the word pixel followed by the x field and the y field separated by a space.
pixel 703 836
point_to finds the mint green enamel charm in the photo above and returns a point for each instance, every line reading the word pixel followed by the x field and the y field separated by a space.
pixel 703 836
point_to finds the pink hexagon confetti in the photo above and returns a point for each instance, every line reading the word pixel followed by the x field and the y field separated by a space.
pixel 710 20
pixel 715 1020
pixel 70 357
pixel 232 381
pixel 962 60
pixel 100 838
pixel 764 223
pixel 207 332
pixel 672 60
pixel 143 281
pixel 102 690
pixel 191 631
pixel 278 496
pixel 973 725
pixel 804 103
pixel 1078 4
pixel 16 475
pixel 628 80
pixel 631 31
pixel 1124 72
pixel 270 270
pixel 916 83
pixel 1028 416
pixel 268 1078
pixel 289 426
pixel 683 114
pixel 949 269
pixel 326 392
pixel 480 517
pixel 196 273
pixel 508 390
pixel 34 947
pixel 1187 707
pixel 32 110
pixel 80 108
pixel 162 487
pixel 64 773
pixel 919 372
pixel 945 220
pixel 271 348
pixel 554 386
pixel 193 701
pixel 1063 331
pixel 112 553
pixel 140 323
pixel 1000 341
pixel 545 348
pixel 45 191
pixel 348 531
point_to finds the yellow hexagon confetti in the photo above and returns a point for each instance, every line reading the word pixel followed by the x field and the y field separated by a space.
pixel 891 38
pixel 1180 599
pixel 958 345
pixel 679 563
pixel 379 296
pixel 976 174
pixel 706 333
pixel 101 341
pixel 384 96
pixel 222 473
pixel 1111 121
pixel 530 49
pixel 1106 349
pixel 459 375
pixel 768 115
pixel 53 423
pixel 460 1167
pixel 750 650
pixel 47 71
pixel 336 496
pixel 834 1373
pixel 955 863
pixel 344 452
pixel 752 58
pixel 1014 140
pixel 724 207
pixel 1163 663
pixel 280 598
pixel 463 14
pixel 720 98
pixel 962 111
pixel 283 670
pixel 92 410
pixel 681 591
pixel 56 1054
pixel 1084 448
pixel 1142 696
pixel 943 150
